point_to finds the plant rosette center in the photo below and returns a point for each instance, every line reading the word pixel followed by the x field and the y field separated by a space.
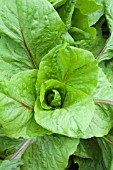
pixel 52 94
pixel 64 104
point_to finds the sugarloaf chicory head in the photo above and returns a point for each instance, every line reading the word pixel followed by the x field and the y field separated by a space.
pixel 66 80
pixel 45 86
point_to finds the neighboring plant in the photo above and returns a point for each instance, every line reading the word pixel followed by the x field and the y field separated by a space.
pixel 56 84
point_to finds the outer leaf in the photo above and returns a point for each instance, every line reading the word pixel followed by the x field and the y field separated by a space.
pixel 88 149
pixel 80 26
pixel 49 152
pixel 107 67
pixel 87 6
pixel 81 21
pixel 98 42
pixel 66 12
pixel 104 88
pixel 89 45
pixel 32 26
pixel 94 16
pixel 109 13
pixel 107 51
pixel 8 143
pixel 17 98
pixel 33 129
pixel 13 58
pixel 10 165
pixel 87 164
pixel 102 121
pixel 106 146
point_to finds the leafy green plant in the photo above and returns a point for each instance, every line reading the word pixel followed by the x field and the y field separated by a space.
pixel 56 88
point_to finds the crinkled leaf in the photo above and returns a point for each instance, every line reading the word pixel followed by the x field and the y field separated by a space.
pixel 32 27
pixel 102 121
pixel 10 165
pixel 13 58
pixel 80 26
pixel 77 73
pixel 107 67
pixel 108 4
pixel 88 149
pixel 67 38
pixel 88 155
pixel 89 45
pixel 71 118
pixel 66 12
pixel 106 146
pixel 17 98
pixel 8 143
pixel 33 129
pixel 88 164
pixel 81 21
pixel 72 66
pixel 98 42
pixel 49 152
pixel 87 6
pixel 107 51
pixel 94 16
pixel 104 88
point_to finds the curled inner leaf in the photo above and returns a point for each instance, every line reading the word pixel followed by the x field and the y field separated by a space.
pixel 54 98
pixel 52 94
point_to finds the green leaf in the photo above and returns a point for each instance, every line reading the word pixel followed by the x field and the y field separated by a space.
pixel 33 129
pixel 98 42
pixel 8 143
pixel 102 121
pixel 95 16
pixel 88 6
pixel 107 50
pixel 80 26
pixel 57 3
pixel 71 118
pixel 109 13
pixel 104 88
pixel 72 66
pixel 49 152
pixel 88 155
pixel 107 67
pixel 89 45
pixel 77 74
pixel 106 146
pixel 32 27
pixel 81 20
pixel 88 149
pixel 17 98
pixel 66 38
pixel 2 134
pixel 88 164
pixel 8 146
pixel 66 12
pixel 10 165
pixel 13 58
